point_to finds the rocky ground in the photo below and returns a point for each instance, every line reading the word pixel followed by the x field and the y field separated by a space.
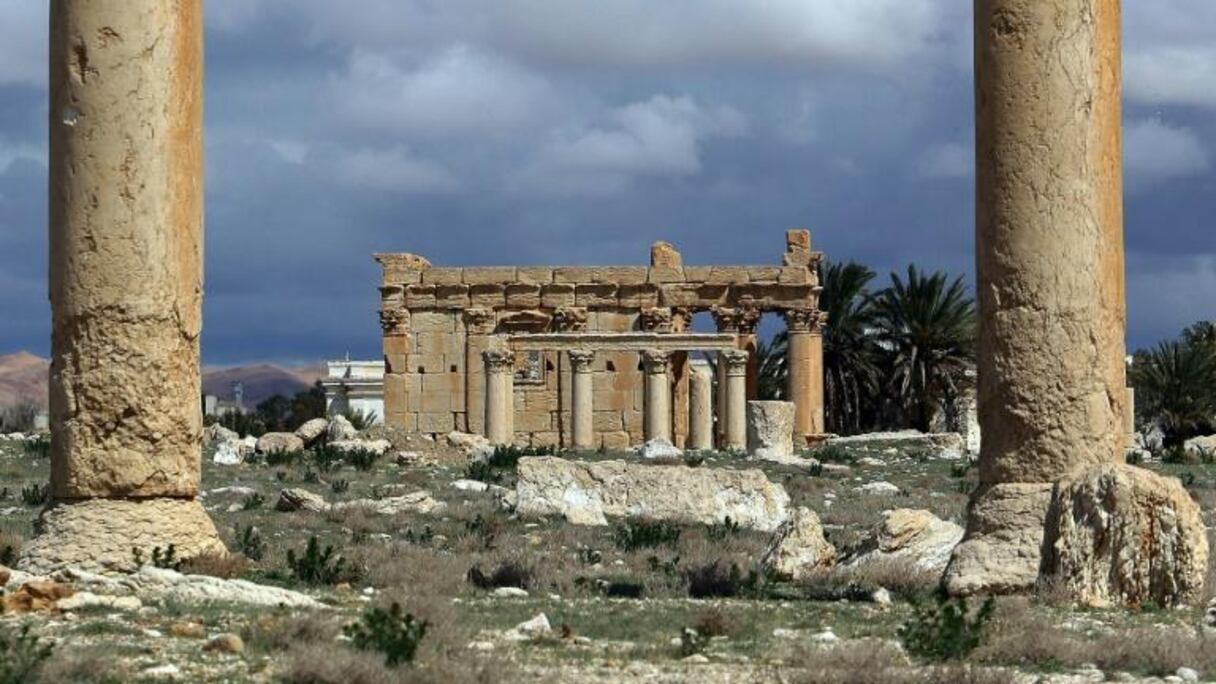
pixel 513 597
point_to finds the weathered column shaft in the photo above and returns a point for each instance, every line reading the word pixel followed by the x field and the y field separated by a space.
pixel 701 409
pixel 805 358
pixel 582 410
pixel 1049 232
pixel 479 325
pixel 657 417
pixel 735 435
pixel 126 239
pixel 500 396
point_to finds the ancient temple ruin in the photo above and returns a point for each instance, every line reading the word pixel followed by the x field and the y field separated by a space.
pixel 594 356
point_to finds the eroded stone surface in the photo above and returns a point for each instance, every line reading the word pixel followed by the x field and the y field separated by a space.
pixel 1118 534
pixel 770 430
pixel 277 442
pixel 588 492
pixel 799 549
pixel 1003 547
pixel 99 534
pixel 312 430
pixel 914 535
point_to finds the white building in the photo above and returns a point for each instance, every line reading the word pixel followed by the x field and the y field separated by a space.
pixel 355 386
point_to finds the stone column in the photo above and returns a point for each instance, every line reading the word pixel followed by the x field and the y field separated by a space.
pixel 805 359
pixel 701 408
pixel 582 409
pixel 479 325
pixel 1049 242
pixel 735 435
pixel 500 395
pixel 657 419
pixel 126 238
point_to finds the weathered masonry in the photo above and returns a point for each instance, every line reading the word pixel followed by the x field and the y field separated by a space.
pixel 444 327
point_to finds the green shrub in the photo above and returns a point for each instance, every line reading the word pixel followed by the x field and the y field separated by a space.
pixel 36 495
pixel 645 534
pixel 8 555
pixel 393 633
pixel 163 558
pixel 318 567
pixel 325 458
pixel 692 642
pixel 947 630
pixel 830 453
pixel 284 458
pixel 361 459
pixel 39 447
pixel 360 420
pixel 507 574
pixel 339 486
pixel 21 654
pixel 721 531
pixel 249 542
pixel 504 459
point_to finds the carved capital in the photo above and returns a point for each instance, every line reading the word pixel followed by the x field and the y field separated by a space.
pixel 741 320
pixel 736 361
pixel 570 319
pixel 656 361
pixel 395 321
pixel 581 360
pixel 479 321
pixel 681 319
pixel 499 360
pixel 655 319
pixel 805 320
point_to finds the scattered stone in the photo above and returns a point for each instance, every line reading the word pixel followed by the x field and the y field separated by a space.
pixel 276 442
pixel 379 447
pixel 169 671
pixel 799 549
pixel 312 431
pixel 660 450
pixel 231 491
pixel 187 630
pixel 587 492
pixel 229 453
pixel 470 486
pixel 300 500
pixel 218 434
pixel 1121 535
pixel 1186 674
pixel 340 430
pixel 536 628
pixel 770 430
pixel 910 534
pixel 467 442
pixel 907 439
pixel 35 596
pixel 151 583
pixel 408 458
pixel 86 599
pixel 483 646
pixel 881 598
pixel 416 502
pixel 825 637
pixel 879 488
pixel 1199 446
pixel 696 659
pixel 224 643
pixel 871 462
pixel 510 592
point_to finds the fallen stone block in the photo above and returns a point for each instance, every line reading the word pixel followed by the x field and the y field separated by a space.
pixel 914 535
pixel 770 430
pixel 799 549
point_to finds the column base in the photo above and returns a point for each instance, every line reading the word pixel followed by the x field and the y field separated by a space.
pixel 102 534
pixel 1003 549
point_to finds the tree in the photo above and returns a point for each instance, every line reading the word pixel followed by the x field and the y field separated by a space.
pixel 849 349
pixel 772 376
pixel 926 328
pixel 1175 387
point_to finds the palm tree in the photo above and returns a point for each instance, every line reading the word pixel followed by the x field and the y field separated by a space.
pixel 849 351
pixel 773 374
pixel 1176 387
pixel 927 329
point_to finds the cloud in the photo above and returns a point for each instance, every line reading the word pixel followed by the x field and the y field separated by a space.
pixel 1173 75
pixel 1155 152
pixel 947 160
pixel 394 170
pixel 23 44
pixel 460 91
pixel 1190 282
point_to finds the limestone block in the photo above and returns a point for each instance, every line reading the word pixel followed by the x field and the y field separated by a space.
pixel 275 442
pixel 638 296
pixel 546 439
pixel 436 422
pixel 770 430
pixel 763 274
pixel 523 295
pixel 216 434
pixel 616 441
pixel 534 275
pixel 598 294
pixel 557 295
pixel 697 274
pixel 452 297
pixel 535 420
pixel 1003 547
pixel 799 549
pixel 619 275
pixel 340 429
pixel 1122 535
pixel 794 275
pixel 1199 446
pixel 98 534
pixel 553 486
pixel 428 364
pixel 664 255
pixel 607 421
pixel 490 275
pixel 491 296
pixel 312 430
pixel 443 276
pixel 419 296
pixel 661 274
pixel 916 535
pixel 433 322
pixel 616 320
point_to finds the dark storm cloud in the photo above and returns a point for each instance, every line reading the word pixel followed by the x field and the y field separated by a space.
pixel 579 132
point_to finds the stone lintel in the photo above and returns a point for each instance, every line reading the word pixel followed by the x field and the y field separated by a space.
pixel 622 342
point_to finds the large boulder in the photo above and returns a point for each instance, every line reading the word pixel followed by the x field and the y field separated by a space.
pixel 215 434
pixel 914 535
pixel 275 442
pixel 770 430
pixel 379 447
pixel 229 453
pixel 300 500
pixel 589 492
pixel 660 450
pixel 1201 446
pixel 1003 547
pixel 799 549
pixel 908 439
pixel 1121 535
pixel 312 431
pixel 340 429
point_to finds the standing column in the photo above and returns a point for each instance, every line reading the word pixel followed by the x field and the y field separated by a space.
pixel 479 325
pixel 736 399
pixel 500 396
pixel 657 419
pixel 582 408
pixel 701 407
pixel 126 236
pixel 805 329
pixel 1049 256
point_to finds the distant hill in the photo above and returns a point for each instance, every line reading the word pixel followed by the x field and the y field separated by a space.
pixel 24 376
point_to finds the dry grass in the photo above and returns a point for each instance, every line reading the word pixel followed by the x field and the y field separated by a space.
pixel 87 665
pixel 222 565
pixel 873 661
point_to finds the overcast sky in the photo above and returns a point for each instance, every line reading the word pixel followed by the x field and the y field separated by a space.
pixel 577 132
